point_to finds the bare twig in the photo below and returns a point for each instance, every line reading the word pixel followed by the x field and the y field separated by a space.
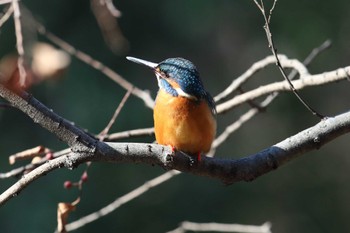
pixel 6 16
pixel 308 80
pixel 278 63
pixel 17 172
pixel 61 226
pixel 105 131
pixel 252 112
pixel 271 10
pixel 221 227
pixel 315 52
pixel 19 38
pixel 259 65
pixel 131 133
pixel 232 128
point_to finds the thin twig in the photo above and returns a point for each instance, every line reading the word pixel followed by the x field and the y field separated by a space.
pixel 283 86
pixel 259 65
pixel 221 227
pixel 252 112
pixel 18 172
pixel 19 38
pixel 271 11
pixel 105 131
pixel 278 63
pixel 285 62
pixel 316 51
pixel 131 133
pixel 6 16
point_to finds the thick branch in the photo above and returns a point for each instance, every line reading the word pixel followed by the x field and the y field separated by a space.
pixel 227 170
pixel 247 168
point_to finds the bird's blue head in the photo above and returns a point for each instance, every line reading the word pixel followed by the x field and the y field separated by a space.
pixel 179 77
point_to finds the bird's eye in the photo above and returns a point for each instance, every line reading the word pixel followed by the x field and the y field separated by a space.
pixel 163 74
pixel 166 75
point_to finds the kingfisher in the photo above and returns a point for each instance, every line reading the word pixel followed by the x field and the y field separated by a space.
pixel 184 113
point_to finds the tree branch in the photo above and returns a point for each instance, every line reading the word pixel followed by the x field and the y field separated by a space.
pixel 221 227
pixel 19 40
pixel 259 65
pixel 4 17
pixel 304 81
pixel 131 133
pixel 86 148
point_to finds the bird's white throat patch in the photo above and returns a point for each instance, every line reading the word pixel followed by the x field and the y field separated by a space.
pixel 180 92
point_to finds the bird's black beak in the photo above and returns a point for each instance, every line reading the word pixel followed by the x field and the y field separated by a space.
pixel 149 64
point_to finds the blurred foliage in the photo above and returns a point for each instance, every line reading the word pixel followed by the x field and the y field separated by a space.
pixel 223 38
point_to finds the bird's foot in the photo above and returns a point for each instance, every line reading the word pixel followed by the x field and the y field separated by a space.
pixel 173 150
pixel 199 157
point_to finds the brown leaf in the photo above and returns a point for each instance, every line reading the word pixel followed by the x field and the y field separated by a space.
pixel 63 210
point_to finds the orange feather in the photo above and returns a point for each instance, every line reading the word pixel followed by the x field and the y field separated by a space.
pixel 182 123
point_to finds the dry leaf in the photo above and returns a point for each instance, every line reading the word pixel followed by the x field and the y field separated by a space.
pixel 63 210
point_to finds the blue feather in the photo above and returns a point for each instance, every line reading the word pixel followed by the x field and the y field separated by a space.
pixel 186 75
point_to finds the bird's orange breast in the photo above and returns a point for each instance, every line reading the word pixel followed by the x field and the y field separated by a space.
pixel 187 125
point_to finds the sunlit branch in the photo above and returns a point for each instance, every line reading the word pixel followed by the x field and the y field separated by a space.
pixel 221 227
pixel 304 81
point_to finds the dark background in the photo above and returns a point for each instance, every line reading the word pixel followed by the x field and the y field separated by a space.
pixel 223 38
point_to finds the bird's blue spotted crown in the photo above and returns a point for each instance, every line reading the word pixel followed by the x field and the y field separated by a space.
pixel 185 74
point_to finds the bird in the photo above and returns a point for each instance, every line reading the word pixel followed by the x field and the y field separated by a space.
pixel 184 112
